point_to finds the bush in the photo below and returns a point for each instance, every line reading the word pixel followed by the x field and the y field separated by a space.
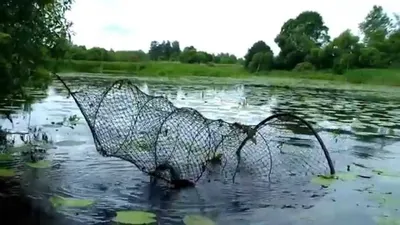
pixel 304 66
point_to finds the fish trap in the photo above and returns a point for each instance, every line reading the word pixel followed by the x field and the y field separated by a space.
pixel 173 143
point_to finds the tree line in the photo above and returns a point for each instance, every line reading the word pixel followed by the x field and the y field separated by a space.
pixel 304 44
pixel 159 51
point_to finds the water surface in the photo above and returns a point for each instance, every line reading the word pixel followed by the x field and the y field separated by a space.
pixel 358 127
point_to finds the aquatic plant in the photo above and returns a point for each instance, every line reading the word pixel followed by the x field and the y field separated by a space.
pixel 135 217
pixel 197 220
pixel 59 201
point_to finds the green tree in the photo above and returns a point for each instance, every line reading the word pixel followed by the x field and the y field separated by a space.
pixel 189 55
pixel 345 51
pixel 370 57
pixel 298 36
pixel 175 51
pixel 258 47
pixel 29 32
pixel 376 26
pixel 261 61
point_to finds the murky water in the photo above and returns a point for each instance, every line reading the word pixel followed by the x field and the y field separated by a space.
pixel 358 127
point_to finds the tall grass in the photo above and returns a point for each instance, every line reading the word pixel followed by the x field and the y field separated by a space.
pixel 152 68
pixel 389 77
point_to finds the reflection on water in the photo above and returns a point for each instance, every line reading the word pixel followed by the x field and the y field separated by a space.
pixel 354 127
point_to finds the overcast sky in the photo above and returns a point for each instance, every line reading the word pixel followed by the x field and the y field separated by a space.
pixel 213 26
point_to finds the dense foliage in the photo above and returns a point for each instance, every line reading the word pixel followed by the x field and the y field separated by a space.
pixel 304 44
pixel 159 51
pixel 31 31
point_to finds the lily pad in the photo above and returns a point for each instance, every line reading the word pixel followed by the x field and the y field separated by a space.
pixel 5 157
pixel 197 220
pixel 323 180
pixel 42 164
pixel 135 217
pixel 386 173
pixel 58 201
pixel 6 172
pixel 326 180
pixel 346 176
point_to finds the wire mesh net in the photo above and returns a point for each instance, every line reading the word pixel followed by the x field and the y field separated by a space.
pixel 153 134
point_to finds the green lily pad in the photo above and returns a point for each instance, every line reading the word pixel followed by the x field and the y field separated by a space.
pixel 135 217
pixel 323 180
pixel 346 176
pixel 386 173
pixel 5 157
pixel 197 220
pixel 42 164
pixel 326 180
pixel 6 172
pixel 58 201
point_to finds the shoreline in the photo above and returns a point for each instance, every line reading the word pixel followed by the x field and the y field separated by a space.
pixel 253 80
pixel 360 79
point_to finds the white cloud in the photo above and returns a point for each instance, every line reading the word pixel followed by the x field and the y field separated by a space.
pixel 214 26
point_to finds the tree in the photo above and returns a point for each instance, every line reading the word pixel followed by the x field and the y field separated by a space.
pixel 346 51
pixel 175 51
pixel 258 47
pixel 298 36
pixel 261 61
pixel 376 26
pixel 189 55
pixel 29 31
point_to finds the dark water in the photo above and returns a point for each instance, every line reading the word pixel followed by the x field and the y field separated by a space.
pixel 358 127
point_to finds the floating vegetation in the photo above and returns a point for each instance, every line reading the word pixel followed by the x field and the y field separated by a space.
pixel 41 164
pixel 58 201
pixel 135 217
pixel 326 180
pixel 7 172
pixel 359 133
pixel 197 220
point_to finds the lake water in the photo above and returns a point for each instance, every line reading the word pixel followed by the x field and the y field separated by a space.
pixel 361 127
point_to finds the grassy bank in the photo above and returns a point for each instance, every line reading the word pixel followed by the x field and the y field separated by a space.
pixel 390 77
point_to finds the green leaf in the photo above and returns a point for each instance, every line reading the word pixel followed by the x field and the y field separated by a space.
pixel 7 172
pixel 197 220
pixel 135 217
pixel 58 201
pixel 5 157
pixel 42 164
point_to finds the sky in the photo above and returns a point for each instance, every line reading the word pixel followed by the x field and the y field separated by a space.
pixel 212 26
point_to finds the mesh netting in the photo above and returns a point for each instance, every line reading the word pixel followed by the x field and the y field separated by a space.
pixel 152 133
